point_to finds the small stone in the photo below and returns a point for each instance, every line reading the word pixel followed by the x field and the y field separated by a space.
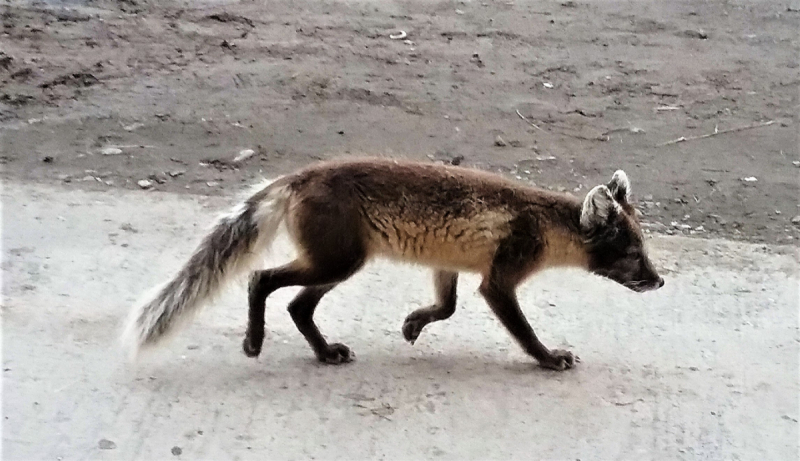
pixel 750 179
pixel 796 220
pixel 547 85
pixel 111 151
pixel 176 173
pixel 212 184
pixel 145 184
pixel 698 34
pixel 48 159
pixel 105 444
pixel 128 227
pixel 159 178
pixel 499 142
pixel 244 155
pixel 176 451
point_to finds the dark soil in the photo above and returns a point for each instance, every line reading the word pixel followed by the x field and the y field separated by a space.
pixel 559 94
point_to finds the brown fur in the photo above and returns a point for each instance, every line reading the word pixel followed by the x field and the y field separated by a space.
pixel 341 214
pixel 445 217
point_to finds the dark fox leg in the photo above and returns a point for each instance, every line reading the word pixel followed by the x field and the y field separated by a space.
pixel 445 282
pixel 514 261
pixel 318 280
pixel 502 298
pixel 329 234
pixel 302 311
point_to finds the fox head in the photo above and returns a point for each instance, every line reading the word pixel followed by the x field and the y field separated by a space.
pixel 613 236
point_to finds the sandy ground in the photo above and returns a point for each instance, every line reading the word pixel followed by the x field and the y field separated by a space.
pixel 96 96
pixel 180 88
pixel 705 368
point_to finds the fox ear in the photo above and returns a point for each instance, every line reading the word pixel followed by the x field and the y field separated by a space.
pixel 620 187
pixel 598 206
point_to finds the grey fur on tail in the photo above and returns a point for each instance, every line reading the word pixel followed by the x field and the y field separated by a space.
pixel 230 249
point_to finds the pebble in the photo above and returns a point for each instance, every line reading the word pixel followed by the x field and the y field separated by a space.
pixel 145 184
pixel 111 151
pixel 499 142
pixel 105 444
pixel 244 155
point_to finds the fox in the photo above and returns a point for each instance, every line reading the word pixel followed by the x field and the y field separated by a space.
pixel 340 214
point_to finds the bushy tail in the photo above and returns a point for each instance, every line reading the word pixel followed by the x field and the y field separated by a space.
pixel 230 249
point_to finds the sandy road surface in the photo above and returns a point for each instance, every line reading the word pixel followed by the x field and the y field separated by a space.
pixel 705 368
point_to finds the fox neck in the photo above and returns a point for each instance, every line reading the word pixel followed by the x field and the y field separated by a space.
pixel 564 248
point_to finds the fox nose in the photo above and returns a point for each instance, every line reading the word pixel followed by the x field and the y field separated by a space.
pixel 660 282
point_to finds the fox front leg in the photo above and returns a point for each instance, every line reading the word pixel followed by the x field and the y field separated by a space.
pixel 445 283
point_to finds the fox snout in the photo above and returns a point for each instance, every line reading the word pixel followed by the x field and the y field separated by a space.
pixel 647 279
pixel 634 272
pixel 641 286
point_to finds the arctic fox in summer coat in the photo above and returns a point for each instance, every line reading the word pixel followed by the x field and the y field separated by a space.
pixel 340 214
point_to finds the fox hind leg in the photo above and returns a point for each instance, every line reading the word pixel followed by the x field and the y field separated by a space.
pixel 317 280
pixel 445 283
pixel 327 229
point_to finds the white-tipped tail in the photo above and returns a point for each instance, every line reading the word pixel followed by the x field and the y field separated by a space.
pixel 230 249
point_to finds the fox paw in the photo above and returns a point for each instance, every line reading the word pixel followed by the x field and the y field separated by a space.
pixel 412 328
pixel 560 360
pixel 251 346
pixel 336 354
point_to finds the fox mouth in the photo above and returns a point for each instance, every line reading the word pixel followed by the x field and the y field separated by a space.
pixel 640 286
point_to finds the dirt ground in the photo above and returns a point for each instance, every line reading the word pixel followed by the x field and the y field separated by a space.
pixel 102 95
pixel 120 123
pixel 704 368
